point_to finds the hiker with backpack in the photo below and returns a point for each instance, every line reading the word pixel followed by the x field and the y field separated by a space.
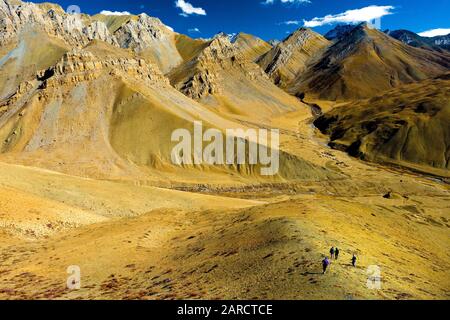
pixel 325 264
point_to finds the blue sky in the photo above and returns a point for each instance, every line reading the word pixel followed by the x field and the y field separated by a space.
pixel 204 18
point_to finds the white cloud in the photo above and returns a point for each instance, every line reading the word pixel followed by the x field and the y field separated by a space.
pixel 290 22
pixel 188 8
pixel 170 28
pixel 287 1
pixel 351 16
pixel 435 33
pixel 115 13
pixel 194 30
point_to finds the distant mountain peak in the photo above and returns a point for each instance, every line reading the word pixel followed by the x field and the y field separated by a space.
pixel 343 30
pixel 274 42
pixel 300 36
pixel 220 34
pixel 299 32
pixel 349 67
pixel 415 40
pixel 339 31
pixel 251 46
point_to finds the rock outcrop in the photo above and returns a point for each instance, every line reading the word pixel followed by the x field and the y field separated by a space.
pixel 80 65
pixel 99 31
pixel 74 29
pixel 147 36
pixel 142 33
pixel 221 76
pixel 150 39
pixel 339 31
pixel 203 75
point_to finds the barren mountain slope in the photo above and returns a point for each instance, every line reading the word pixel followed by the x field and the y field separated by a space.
pixel 221 77
pixel 21 59
pixel 251 47
pixel 366 62
pixel 100 113
pixel 188 47
pixel 114 22
pixel 291 57
pixel 407 126
pixel 151 40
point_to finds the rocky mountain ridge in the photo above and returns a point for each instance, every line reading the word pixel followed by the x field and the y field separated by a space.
pixel 77 30
pixel 219 55
pixel 291 56
pixel 365 62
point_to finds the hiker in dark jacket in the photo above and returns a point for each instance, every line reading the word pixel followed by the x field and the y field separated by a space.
pixel 332 252
pixel 325 264
pixel 354 260
pixel 336 253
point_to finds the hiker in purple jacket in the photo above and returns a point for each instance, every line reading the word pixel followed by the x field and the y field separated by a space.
pixel 325 264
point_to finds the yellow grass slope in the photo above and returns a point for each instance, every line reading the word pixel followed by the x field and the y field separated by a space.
pixel 36 203
pixel 271 249
pixel 267 251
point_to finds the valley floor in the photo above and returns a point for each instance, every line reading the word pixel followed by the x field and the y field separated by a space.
pixel 141 242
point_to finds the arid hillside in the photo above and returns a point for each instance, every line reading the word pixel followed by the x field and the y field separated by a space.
pixel 366 62
pixel 103 111
pixel 290 58
pixel 222 77
pixel 250 46
pixel 408 126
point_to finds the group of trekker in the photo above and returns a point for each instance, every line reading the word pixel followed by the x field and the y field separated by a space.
pixel 334 254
